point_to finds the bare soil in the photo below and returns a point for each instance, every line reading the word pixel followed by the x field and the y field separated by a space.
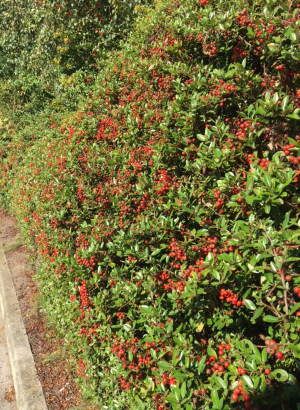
pixel 60 390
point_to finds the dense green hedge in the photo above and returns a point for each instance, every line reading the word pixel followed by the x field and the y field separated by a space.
pixel 164 212
pixel 44 41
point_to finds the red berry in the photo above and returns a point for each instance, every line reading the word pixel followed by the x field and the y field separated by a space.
pixel 297 291
pixel 280 356
pixel 280 67
pixel 235 396
pixel 246 397
pixel 241 371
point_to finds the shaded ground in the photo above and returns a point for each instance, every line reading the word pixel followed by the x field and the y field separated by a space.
pixel 60 391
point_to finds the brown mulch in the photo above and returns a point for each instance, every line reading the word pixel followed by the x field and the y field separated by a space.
pixel 60 390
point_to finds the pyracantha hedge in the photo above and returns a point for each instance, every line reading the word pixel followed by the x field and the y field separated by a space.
pixel 164 213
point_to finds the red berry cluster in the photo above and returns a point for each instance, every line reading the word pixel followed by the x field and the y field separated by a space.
pixel 124 384
pixel 196 268
pixel 164 182
pixel 219 201
pixel 220 363
pixel 164 82
pixel 141 355
pixel 62 163
pixel 238 52
pixel 131 259
pixel 211 246
pixel 107 129
pixel 287 148
pixel 120 349
pixel 169 284
pixel 272 348
pixel 243 19
pixel 294 160
pixel 227 249
pixel 101 196
pixel 168 380
pixel 84 297
pixel 230 297
pixel 43 244
pixel 264 163
pixel 143 203
pixel 169 40
pixel 80 194
pixel 223 88
pixel 81 241
pixel 139 157
pixel 203 3
pixel 176 251
pixel 242 128
pixel 89 333
pixel 268 81
pixel 239 393
pixel 125 209
pixel 89 263
pixel 71 130
pixel 54 255
pixel 210 49
pixel 83 159
pixel 158 400
pixel 54 223
pixel 81 368
pixel 120 315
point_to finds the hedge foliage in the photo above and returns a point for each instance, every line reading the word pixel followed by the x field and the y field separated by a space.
pixel 164 212
pixel 43 42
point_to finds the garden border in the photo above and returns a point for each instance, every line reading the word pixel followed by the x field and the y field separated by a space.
pixel 29 393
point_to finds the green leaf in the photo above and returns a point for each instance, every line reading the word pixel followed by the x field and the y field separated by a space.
pixel 221 382
pixel 260 110
pixel 270 319
pixel 211 352
pixel 172 398
pixel 257 314
pixel 215 399
pixel 295 348
pixel 273 47
pixel 294 308
pixel 285 103
pixel 201 364
pixel 264 355
pixel 165 365
pixel 295 115
pixel 248 381
pixel 280 375
pixel 183 390
pixel 249 304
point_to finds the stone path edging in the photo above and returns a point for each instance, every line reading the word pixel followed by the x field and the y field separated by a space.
pixel 29 393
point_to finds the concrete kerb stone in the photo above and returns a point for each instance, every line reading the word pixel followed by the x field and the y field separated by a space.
pixel 29 393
